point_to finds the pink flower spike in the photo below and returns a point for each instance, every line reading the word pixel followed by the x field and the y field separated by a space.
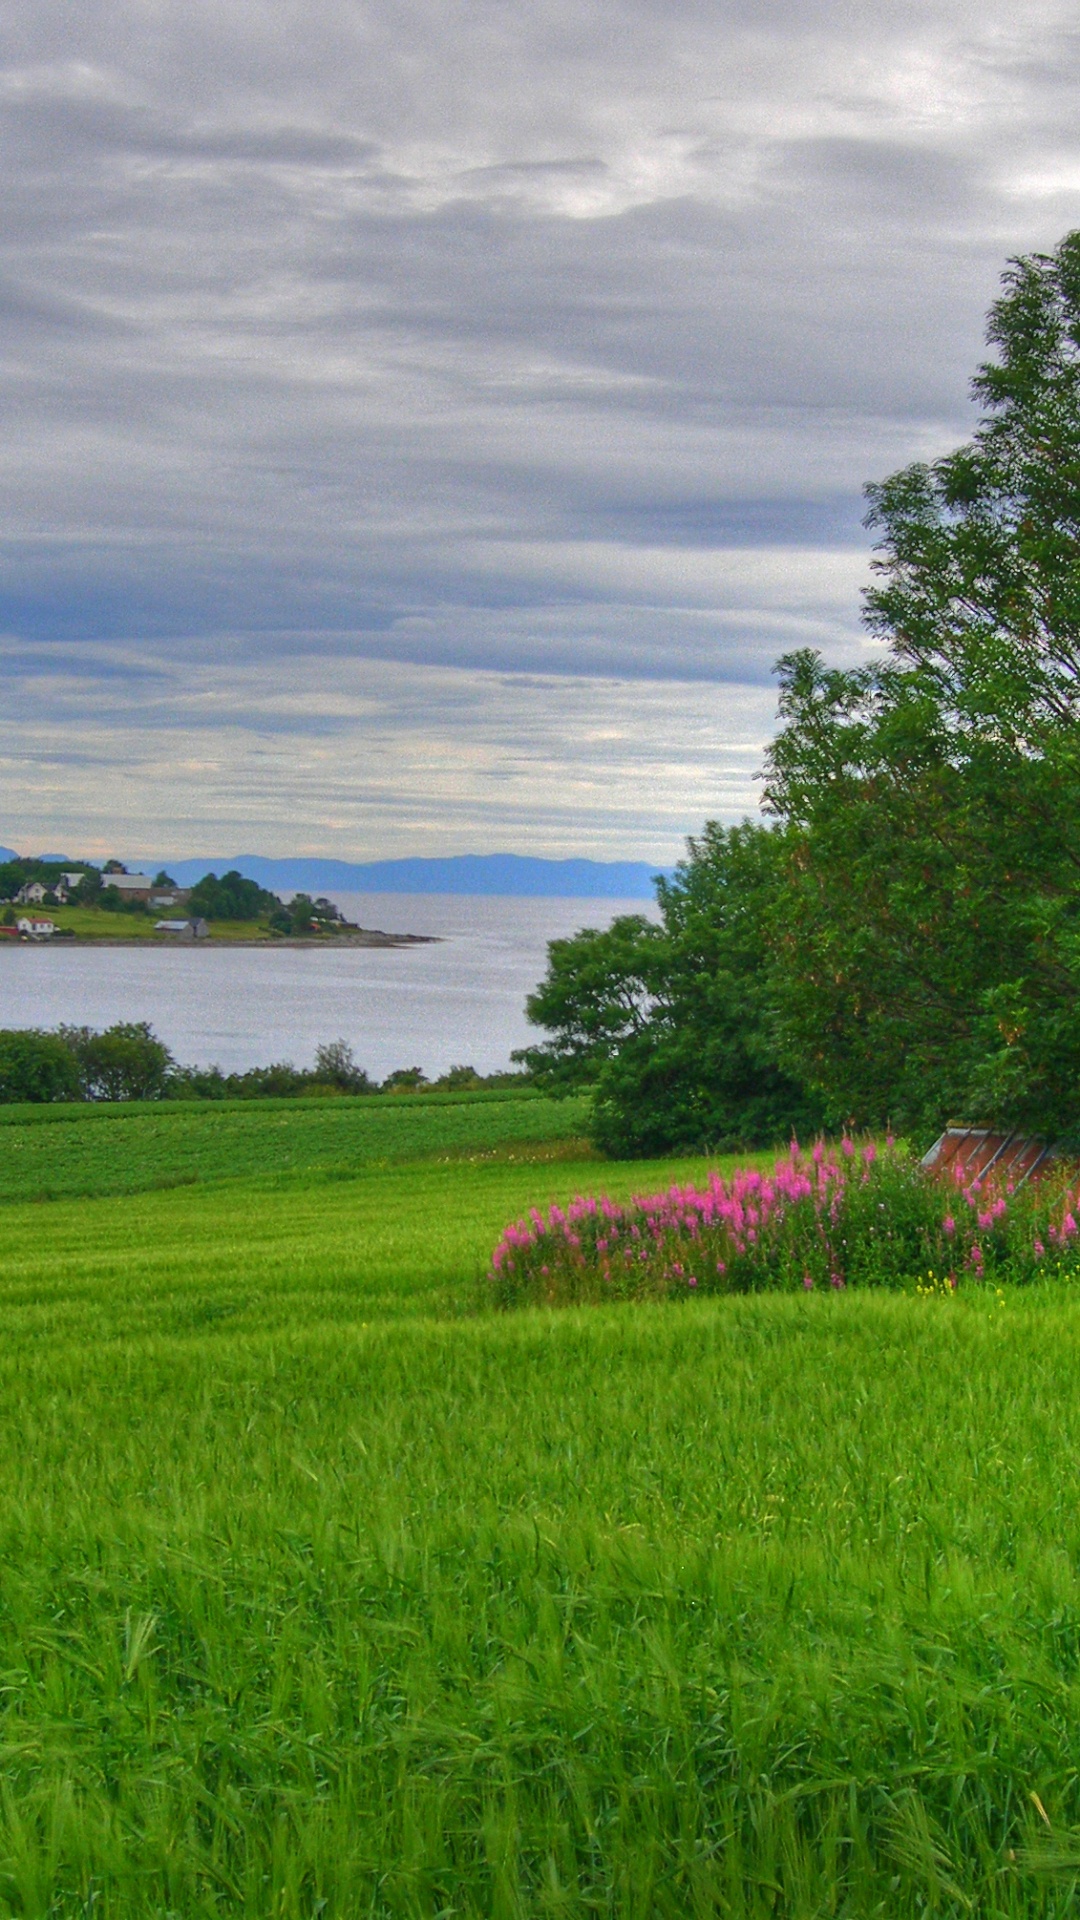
pixel 847 1148
pixel 808 1282
pixel 1039 1249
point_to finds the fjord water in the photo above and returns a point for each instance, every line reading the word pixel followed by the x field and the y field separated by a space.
pixel 458 1001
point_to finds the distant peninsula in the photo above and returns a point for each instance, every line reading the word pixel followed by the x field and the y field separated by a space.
pixel 46 900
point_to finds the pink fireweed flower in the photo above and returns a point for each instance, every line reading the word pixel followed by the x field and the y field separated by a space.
pixel 818 1154
pixel 847 1148
pixel 949 1225
pixel 1039 1249
pixel 837 1280
pixel 691 1280
pixel 1068 1225
pixel 808 1282
pixel 869 1153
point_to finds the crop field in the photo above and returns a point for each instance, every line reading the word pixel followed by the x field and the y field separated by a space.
pixel 49 1151
pixel 326 1590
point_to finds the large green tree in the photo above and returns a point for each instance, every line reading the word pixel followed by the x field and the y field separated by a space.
pixel 928 953
pixel 673 1024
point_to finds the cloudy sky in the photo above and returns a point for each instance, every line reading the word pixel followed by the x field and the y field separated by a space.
pixel 425 423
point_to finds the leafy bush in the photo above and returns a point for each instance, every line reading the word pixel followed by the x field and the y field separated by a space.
pixel 405 1080
pixel 126 1062
pixel 304 916
pixel 852 1216
pixel 674 1025
pixel 111 900
pixel 230 898
pixel 336 1066
pixel 36 1066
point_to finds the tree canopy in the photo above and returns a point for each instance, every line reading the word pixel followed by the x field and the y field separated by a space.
pixel 902 939
pixel 230 898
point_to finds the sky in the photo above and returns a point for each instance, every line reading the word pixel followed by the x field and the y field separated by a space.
pixel 425 424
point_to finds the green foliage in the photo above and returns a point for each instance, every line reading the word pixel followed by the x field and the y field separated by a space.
pixel 835 1217
pixel 303 916
pixel 16 873
pixel 126 1062
pixel 461 1080
pixel 230 898
pixel 111 900
pixel 674 1024
pixel 904 943
pixel 404 1080
pixel 336 1066
pixel 324 1594
pixel 931 931
pixel 36 1067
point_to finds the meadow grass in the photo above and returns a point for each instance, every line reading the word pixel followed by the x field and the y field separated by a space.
pixel 96 923
pixel 129 1147
pixel 325 1590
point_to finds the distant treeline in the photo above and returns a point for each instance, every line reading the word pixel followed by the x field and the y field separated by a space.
pixel 128 1062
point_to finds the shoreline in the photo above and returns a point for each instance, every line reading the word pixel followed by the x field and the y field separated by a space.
pixel 364 937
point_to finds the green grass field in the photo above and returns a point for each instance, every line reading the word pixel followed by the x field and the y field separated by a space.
pixel 49 1151
pixel 324 1591
pixel 92 923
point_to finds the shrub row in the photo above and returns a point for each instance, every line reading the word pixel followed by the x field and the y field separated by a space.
pixel 128 1062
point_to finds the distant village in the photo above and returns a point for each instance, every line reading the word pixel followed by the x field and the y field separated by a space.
pixel 30 888
pixel 85 888
pixel 45 902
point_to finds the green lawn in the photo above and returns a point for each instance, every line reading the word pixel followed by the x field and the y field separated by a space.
pixel 324 1591
pixel 92 923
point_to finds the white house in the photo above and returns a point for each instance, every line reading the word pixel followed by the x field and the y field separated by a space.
pixel 32 894
pixel 37 929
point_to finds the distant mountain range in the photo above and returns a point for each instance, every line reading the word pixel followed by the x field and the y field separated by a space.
pixel 486 873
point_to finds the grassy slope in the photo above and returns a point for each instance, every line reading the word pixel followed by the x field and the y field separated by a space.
pixel 47 1152
pixel 323 1593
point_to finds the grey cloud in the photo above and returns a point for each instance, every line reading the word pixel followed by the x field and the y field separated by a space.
pixel 544 341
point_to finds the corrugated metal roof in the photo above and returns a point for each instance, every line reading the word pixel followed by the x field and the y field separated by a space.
pixel 978 1149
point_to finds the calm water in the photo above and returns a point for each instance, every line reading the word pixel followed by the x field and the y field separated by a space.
pixel 431 1007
